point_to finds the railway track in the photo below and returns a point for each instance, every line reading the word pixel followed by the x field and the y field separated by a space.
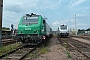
pixel 10 52
pixel 86 45
pixel 8 41
pixel 20 53
pixel 83 37
pixel 17 54
pixel 81 50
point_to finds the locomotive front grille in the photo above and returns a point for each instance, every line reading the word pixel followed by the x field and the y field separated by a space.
pixel 28 31
pixel 63 33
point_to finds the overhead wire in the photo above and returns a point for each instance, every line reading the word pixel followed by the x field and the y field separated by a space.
pixel 67 10
pixel 11 21
pixel 17 19
pixel 39 8
pixel 11 10
pixel 12 18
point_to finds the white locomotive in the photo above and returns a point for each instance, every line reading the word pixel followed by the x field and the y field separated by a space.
pixel 63 31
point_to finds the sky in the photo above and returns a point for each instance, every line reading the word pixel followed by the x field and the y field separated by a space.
pixel 56 11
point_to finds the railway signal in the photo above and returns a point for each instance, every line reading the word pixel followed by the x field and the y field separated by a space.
pixel 12 29
pixel 1 9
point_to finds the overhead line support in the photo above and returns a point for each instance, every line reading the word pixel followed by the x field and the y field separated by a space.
pixel 1 11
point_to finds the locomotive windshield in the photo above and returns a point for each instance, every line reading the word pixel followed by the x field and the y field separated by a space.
pixel 30 20
pixel 63 27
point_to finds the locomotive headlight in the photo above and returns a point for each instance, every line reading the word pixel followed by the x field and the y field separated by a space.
pixel 60 32
pixel 36 30
pixel 44 37
pixel 20 31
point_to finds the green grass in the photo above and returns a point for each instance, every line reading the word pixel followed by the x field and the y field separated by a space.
pixel 43 50
pixel 19 51
pixel 6 56
pixel 65 45
pixel 47 43
pixel 47 58
pixel 8 48
pixel 59 48
pixel 68 55
pixel 39 51
pixel 34 54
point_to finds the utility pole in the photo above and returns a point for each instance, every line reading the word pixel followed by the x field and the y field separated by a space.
pixel 1 9
pixel 75 25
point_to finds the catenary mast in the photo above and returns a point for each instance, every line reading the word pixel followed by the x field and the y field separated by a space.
pixel 1 10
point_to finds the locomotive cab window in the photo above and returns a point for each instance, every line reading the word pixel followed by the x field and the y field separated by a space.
pixel 30 20
pixel 63 27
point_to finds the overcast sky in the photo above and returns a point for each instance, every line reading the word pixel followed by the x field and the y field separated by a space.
pixel 56 11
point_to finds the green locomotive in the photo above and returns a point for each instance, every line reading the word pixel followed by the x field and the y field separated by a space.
pixel 33 29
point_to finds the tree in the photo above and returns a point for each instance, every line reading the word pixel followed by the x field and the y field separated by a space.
pixel 4 28
pixel 81 29
pixel 88 29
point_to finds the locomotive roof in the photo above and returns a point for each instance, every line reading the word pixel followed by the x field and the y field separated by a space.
pixel 63 25
pixel 32 15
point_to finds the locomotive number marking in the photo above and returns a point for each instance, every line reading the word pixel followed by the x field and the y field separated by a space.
pixel 27 28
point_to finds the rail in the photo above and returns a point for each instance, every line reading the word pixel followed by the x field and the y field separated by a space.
pixel 68 42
